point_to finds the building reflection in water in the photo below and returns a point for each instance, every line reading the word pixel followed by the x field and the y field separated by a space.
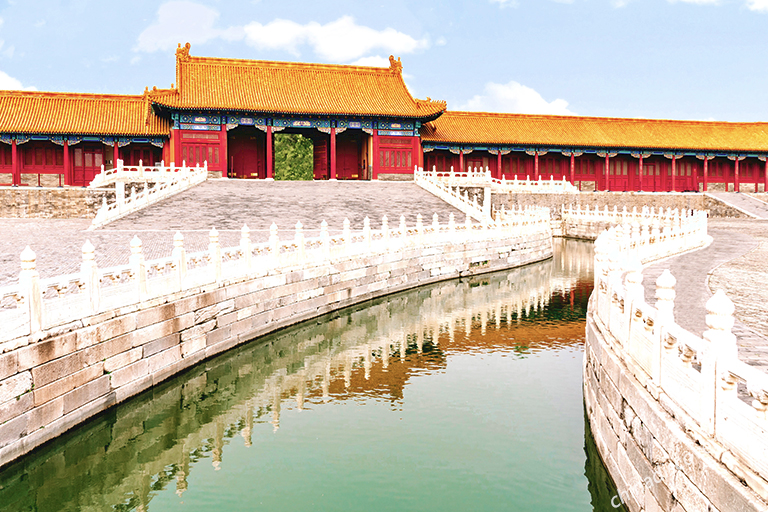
pixel 122 458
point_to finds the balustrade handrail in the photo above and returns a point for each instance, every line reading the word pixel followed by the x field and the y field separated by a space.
pixel 699 375
pixel 168 181
pixel 36 304
pixel 482 177
pixel 481 212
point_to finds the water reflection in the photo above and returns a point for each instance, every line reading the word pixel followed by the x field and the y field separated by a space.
pixel 371 353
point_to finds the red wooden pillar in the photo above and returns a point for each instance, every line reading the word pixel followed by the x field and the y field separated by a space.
pixel 674 172
pixel 375 158
pixel 15 174
pixel 224 153
pixel 67 164
pixel 736 174
pixel 333 154
pixel 116 154
pixel 536 166
pixel 573 169
pixel 640 172
pixel 706 172
pixel 166 153
pixel 498 165
pixel 270 163
pixel 765 186
pixel 607 173
pixel 461 161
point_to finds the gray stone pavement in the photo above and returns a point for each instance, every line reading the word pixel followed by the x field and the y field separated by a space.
pixel 744 202
pixel 737 262
pixel 224 204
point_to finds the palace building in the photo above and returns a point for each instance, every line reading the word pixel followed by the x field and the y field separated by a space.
pixel 364 125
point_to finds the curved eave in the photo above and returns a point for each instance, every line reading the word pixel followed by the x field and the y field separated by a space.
pixel 423 118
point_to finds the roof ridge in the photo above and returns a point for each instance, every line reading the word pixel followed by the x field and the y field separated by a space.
pixel 68 95
pixel 598 118
pixel 289 64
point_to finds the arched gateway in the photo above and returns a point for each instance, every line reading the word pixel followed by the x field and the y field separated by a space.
pixel 364 124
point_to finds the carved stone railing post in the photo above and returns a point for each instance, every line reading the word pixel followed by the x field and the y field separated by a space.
pixel 347 236
pixel 274 246
pixel 300 244
pixel 720 353
pixel 419 229
pixel 29 284
pixel 385 232
pixel 246 249
pixel 214 252
pixel 89 276
pixel 665 298
pixel 138 268
pixel 179 256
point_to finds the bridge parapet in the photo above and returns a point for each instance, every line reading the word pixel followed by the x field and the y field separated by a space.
pixel 166 180
pixel 677 417
pixel 73 346
pixel 479 177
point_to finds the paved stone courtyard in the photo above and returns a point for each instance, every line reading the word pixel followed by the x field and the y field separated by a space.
pixel 737 262
pixel 224 204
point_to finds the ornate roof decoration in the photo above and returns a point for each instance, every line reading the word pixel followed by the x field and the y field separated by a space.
pixel 204 83
pixel 594 132
pixel 84 114
pixel 395 66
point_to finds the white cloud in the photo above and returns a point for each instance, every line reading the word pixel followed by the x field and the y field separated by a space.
pixel 697 2
pixel 505 3
pixel 514 98
pixel 341 40
pixel 376 61
pixel 757 5
pixel 7 82
pixel 182 21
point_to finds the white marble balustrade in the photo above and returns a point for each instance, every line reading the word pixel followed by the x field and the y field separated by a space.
pixel 166 181
pixel 34 304
pixel 697 377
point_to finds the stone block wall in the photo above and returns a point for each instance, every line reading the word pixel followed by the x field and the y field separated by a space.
pixel 56 379
pixel 649 449
pixel 51 202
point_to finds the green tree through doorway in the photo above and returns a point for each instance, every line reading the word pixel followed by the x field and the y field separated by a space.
pixel 293 157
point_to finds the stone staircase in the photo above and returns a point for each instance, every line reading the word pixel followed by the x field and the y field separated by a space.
pixel 749 205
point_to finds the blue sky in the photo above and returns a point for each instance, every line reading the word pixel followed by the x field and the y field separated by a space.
pixel 683 59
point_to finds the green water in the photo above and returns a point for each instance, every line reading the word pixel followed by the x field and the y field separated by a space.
pixel 464 395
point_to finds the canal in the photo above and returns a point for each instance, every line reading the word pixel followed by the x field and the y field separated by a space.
pixel 464 395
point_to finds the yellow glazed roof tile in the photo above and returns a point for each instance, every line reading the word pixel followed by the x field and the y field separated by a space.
pixel 68 113
pixel 295 88
pixel 594 132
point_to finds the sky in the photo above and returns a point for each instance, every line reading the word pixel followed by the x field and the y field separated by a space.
pixel 670 59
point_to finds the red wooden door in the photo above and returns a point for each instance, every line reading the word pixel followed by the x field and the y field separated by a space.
pixel 347 160
pixel 86 163
pixel 247 158
pixel 476 163
pixel 320 160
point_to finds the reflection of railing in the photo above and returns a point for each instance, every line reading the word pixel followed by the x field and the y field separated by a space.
pixel 167 180
pixel 35 304
pixel 450 193
pixel 478 177
pixel 697 376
